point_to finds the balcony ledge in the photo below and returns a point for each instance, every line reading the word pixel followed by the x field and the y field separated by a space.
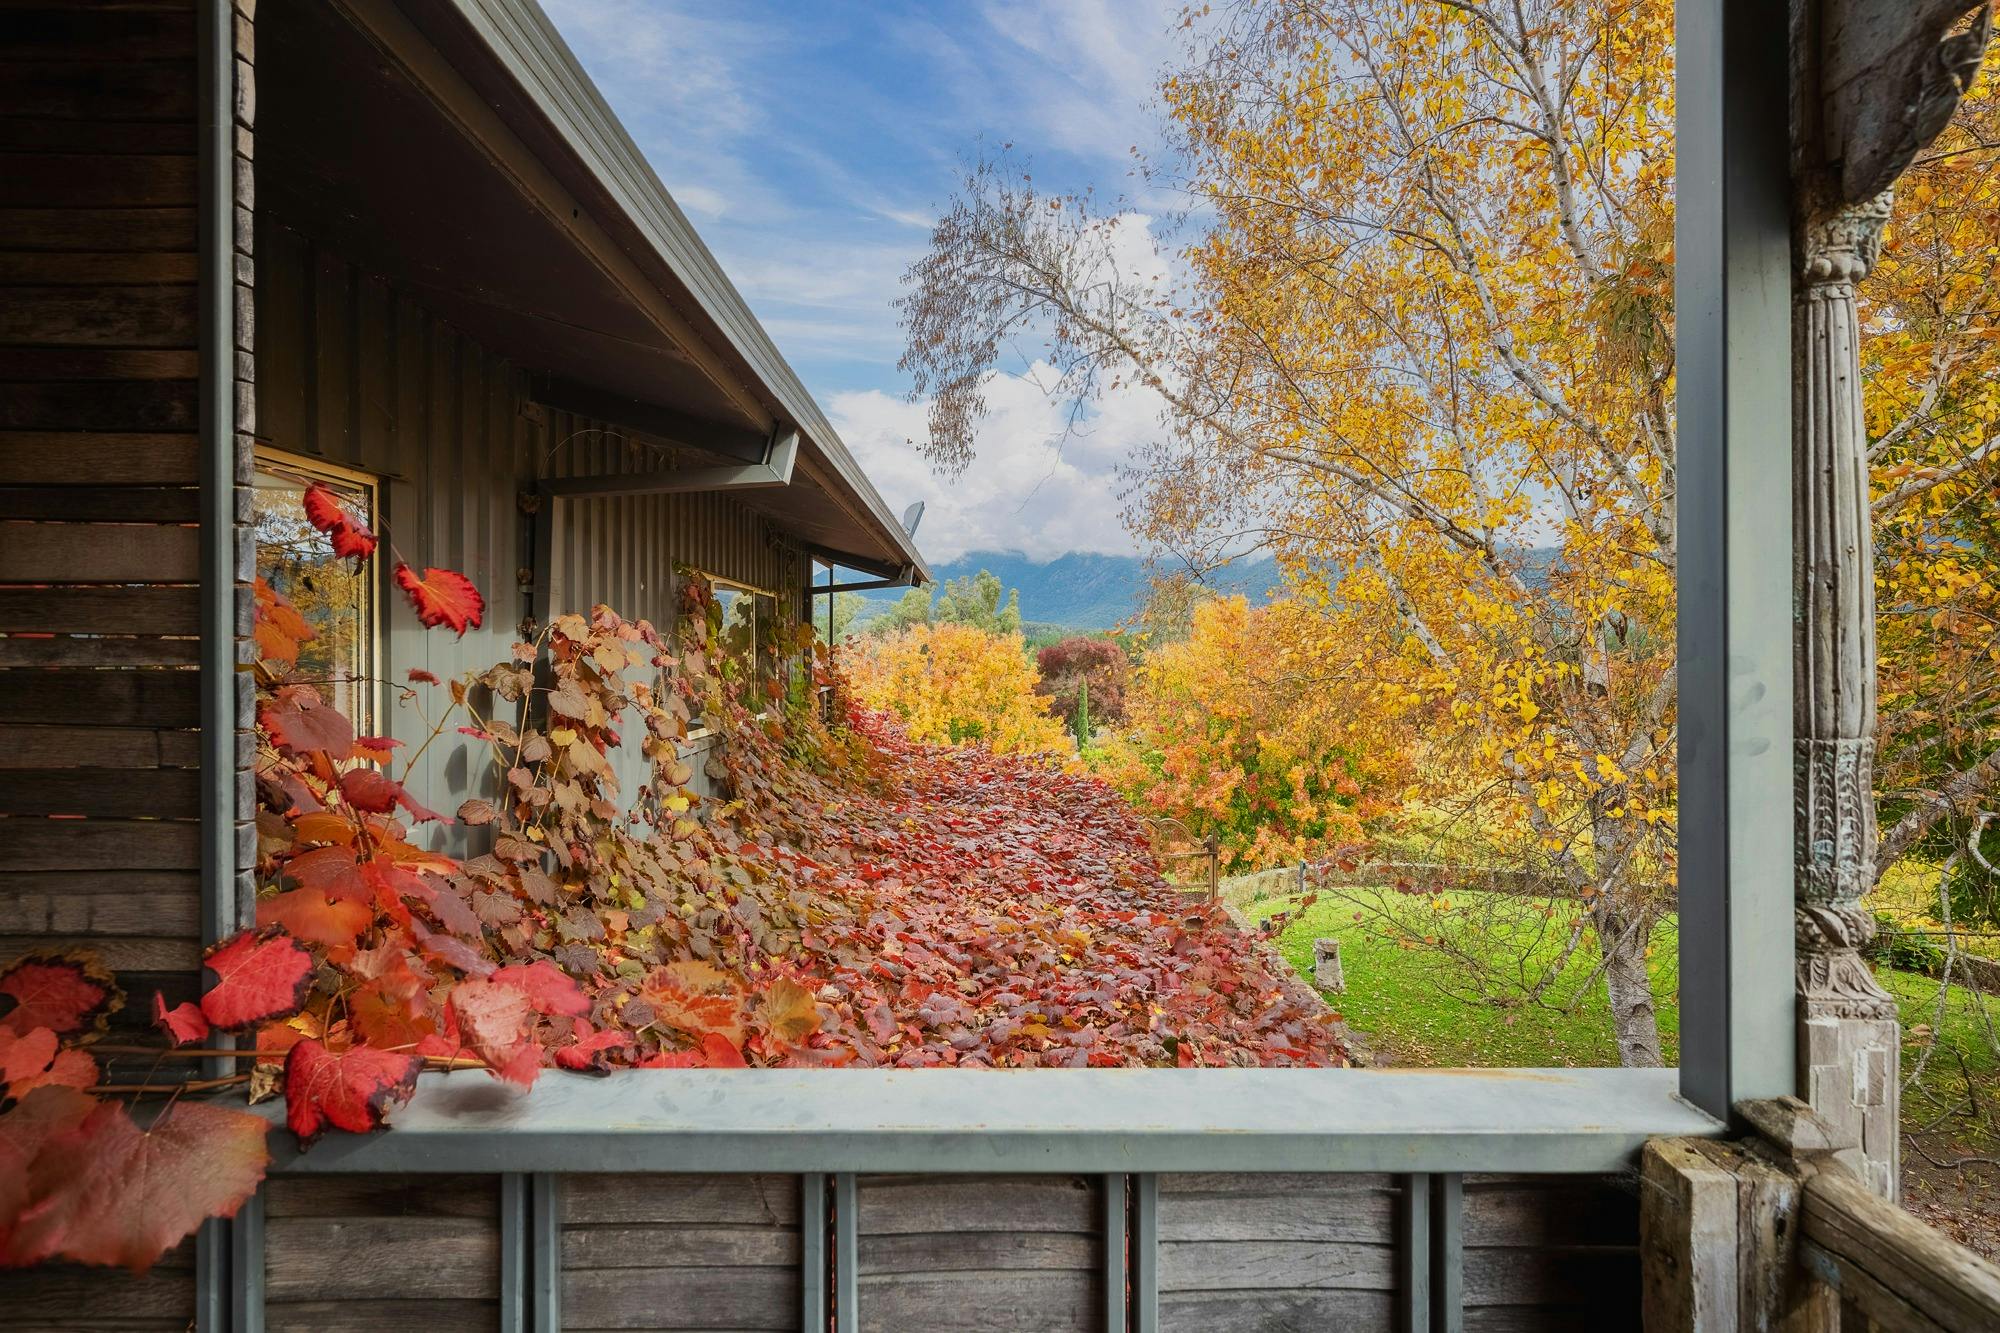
pixel 1070 1121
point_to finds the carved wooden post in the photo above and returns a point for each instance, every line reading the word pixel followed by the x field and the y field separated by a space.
pixel 1848 1036
pixel 1872 83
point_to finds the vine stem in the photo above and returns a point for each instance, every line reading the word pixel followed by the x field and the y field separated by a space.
pixel 172 1089
pixel 434 1062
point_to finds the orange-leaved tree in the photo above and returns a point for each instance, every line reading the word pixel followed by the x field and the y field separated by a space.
pixel 956 683
pixel 1229 732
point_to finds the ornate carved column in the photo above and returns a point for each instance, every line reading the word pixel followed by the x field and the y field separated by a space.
pixel 1848 1036
pixel 1873 81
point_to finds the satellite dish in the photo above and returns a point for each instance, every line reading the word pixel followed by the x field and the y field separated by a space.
pixel 911 517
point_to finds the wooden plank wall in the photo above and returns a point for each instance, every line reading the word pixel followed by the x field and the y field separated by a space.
pixel 1241 1253
pixel 98 465
pixel 980 1254
pixel 680 1252
pixel 357 1254
pixel 1550 1253
pixel 99 502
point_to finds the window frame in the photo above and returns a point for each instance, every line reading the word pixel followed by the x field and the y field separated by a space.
pixel 270 459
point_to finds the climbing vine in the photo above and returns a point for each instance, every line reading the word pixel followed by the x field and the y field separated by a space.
pixel 849 897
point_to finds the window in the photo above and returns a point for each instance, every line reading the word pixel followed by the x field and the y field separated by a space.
pixel 338 600
pixel 748 643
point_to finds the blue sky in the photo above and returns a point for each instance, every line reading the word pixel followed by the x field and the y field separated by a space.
pixel 812 144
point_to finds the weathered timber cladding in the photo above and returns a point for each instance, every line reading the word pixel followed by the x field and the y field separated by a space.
pixel 1241 1253
pixel 98 470
pixel 74 1297
pixel 356 1254
pixel 680 1252
pixel 1550 1252
pixel 356 372
pixel 980 1254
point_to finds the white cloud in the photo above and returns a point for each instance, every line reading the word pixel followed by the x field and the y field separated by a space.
pixel 1032 487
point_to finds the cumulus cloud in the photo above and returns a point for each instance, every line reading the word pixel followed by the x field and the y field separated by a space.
pixel 1037 485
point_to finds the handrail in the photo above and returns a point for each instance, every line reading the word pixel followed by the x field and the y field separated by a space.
pixel 1905 1276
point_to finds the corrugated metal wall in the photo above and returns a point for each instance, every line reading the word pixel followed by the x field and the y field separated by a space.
pixel 355 372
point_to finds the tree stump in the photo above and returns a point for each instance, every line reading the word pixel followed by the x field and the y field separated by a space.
pixel 1326 965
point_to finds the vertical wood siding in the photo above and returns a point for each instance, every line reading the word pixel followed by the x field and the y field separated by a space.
pixel 355 372
pixel 1240 1253
pixel 980 1254
pixel 357 1254
pixel 719 1253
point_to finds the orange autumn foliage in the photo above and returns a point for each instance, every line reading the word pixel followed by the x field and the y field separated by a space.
pixel 955 684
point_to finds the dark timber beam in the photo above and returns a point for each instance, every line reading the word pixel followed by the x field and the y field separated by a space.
pixel 741 443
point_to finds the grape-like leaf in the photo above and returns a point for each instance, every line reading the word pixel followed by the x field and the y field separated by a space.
pixel 108 1192
pixel 184 1024
pixel 42 1114
pixel 278 627
pixel 310 915
pixel 549 989
pixel 350 536
pixel 371 790
pixel 695 998
pixel 260 975
pixel 38 1059
pixel 63 992
pixel 493 1019
pixel 352 1089
pixel 589 1046
pixel 300 722
pixel 442 597
pixel 786 1011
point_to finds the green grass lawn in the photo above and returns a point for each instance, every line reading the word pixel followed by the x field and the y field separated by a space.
pixel 1416 1006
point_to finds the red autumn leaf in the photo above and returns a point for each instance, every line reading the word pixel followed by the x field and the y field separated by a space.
pixel 38 1060
pixel 352 541
pixel 376 749
pixel 371 790
pixel 183 1024
pixel 351 1089
pixel 493 1020
pixel 549 989
pixel 331 870
pixel 351 538
pixel 392 1011
pixel 442 597
pixel 300 722
pixel 418 812
pixel 311 916
pixel 108 1192
pixel 419 676
pixel 62 992
pixel 718 1052
pixel 39 1116
pixel 695 998
pixel 261 975
pixel 583 1052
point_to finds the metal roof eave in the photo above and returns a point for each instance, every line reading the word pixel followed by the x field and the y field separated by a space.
pixel 534 56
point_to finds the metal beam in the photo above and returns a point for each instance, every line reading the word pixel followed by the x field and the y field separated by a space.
pixel 1734 517
pixel 846 1254
pixel 1085 1121
pixel 1116 1210
pixel 845 560
pixel 1413 1254
pixel 814 1272
pixel 828 589
pixel 1146 1253
pixel 1447 1240
pixel 773 469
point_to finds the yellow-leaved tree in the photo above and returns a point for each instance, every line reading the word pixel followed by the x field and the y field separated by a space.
pixel 1227 732
pixel 954 684
pixel 1417 341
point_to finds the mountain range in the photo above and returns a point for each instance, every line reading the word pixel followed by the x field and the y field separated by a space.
pixel 1080 590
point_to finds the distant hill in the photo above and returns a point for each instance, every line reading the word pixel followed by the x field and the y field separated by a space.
pixel 1078 590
